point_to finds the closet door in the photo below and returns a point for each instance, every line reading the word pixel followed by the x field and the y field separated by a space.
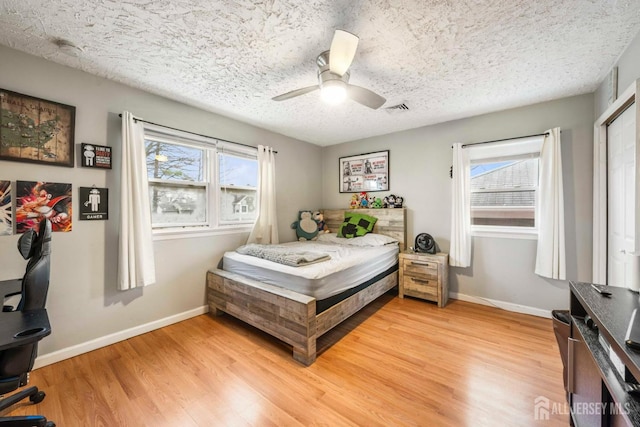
pixel 621 189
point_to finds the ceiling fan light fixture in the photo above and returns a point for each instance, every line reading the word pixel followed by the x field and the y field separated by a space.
pixel 333 92
pixel 333 75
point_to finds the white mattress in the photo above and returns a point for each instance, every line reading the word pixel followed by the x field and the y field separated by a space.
pixel 349 266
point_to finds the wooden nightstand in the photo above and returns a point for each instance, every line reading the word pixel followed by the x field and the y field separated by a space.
pixel 424 276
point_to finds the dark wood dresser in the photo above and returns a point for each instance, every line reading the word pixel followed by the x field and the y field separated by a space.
pixel 600 364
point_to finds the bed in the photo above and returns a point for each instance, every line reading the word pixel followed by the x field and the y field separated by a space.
pixel 293 317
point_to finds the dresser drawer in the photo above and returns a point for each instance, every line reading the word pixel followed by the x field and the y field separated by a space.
pixel 422 269
pixel 428 287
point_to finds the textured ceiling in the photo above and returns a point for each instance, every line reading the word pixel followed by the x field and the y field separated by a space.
pixel 446 59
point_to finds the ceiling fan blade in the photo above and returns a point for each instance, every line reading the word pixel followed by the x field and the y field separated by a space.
pixel 295 93
pixel 342 52
pixel 365 97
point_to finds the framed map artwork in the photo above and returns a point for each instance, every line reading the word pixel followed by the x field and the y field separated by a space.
pixel 35 130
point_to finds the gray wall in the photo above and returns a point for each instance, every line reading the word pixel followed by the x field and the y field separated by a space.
pixel 502 269
pixel 83 302
pixel 628 71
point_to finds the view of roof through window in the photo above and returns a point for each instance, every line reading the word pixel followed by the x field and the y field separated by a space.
pixel 504 193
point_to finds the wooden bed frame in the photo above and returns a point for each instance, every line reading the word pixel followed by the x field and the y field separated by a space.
pixel 288 315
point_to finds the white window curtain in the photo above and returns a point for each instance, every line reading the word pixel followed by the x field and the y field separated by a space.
pixel 265 229
pixel 460 250
pixel 136 265
pixel 550 259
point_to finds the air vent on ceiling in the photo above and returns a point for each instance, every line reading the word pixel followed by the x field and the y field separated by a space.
pixel 399 107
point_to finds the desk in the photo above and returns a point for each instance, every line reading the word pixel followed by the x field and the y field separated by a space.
pixel 9 287
pixel 23 327
pixel 599 361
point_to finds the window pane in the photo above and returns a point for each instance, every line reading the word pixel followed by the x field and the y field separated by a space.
pixel 238 180
pixel 177 205
pixel 504 193
pixel 238 171
pixel 238 205
pixel 174 162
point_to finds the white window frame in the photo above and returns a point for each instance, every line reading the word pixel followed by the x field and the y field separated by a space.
pixel 511 149
pixel 212 147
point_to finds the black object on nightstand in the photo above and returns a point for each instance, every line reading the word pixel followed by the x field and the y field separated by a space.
pixel 426 244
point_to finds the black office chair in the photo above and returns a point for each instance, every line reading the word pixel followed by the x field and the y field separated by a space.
pixel 16 363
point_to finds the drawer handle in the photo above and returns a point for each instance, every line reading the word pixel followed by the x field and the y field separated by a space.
pixel 571 362
pixel 428 264
pixel 420 281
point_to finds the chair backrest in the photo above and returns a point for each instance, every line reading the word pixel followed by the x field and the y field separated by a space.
pixel 36 247
pixel 16 362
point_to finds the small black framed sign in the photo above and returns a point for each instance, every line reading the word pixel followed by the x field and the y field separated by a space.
pixel 96 156
pixel 364 172
pixel 94 203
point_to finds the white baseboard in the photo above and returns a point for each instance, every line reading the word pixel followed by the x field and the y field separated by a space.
pixel 69 352
pixel 503 305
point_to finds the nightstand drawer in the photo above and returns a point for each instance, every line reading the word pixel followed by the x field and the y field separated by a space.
pixel 429 287
pixel 422 269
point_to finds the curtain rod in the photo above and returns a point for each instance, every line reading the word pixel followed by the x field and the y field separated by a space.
pixel 193 133
pixel 505 139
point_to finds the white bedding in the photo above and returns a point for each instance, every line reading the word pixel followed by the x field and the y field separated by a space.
pixel 349 266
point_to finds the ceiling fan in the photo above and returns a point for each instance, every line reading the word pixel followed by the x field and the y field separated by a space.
pixel 333 75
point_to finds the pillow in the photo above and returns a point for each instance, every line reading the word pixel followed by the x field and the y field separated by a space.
pixel 368 240
pixel 373 239
pixel 356 224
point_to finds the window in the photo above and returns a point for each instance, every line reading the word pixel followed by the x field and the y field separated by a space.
pixel 504 186
pixel 198 183
pixel 238 180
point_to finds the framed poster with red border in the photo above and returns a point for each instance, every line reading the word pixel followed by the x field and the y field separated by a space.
pixel 364 172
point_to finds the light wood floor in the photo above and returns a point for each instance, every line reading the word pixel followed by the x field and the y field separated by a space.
pixel 397 363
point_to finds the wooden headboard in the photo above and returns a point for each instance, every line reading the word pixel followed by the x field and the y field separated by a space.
pixel 391 222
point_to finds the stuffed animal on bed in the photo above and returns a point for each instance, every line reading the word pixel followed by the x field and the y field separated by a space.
pixel 319 218
pixel 306 227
